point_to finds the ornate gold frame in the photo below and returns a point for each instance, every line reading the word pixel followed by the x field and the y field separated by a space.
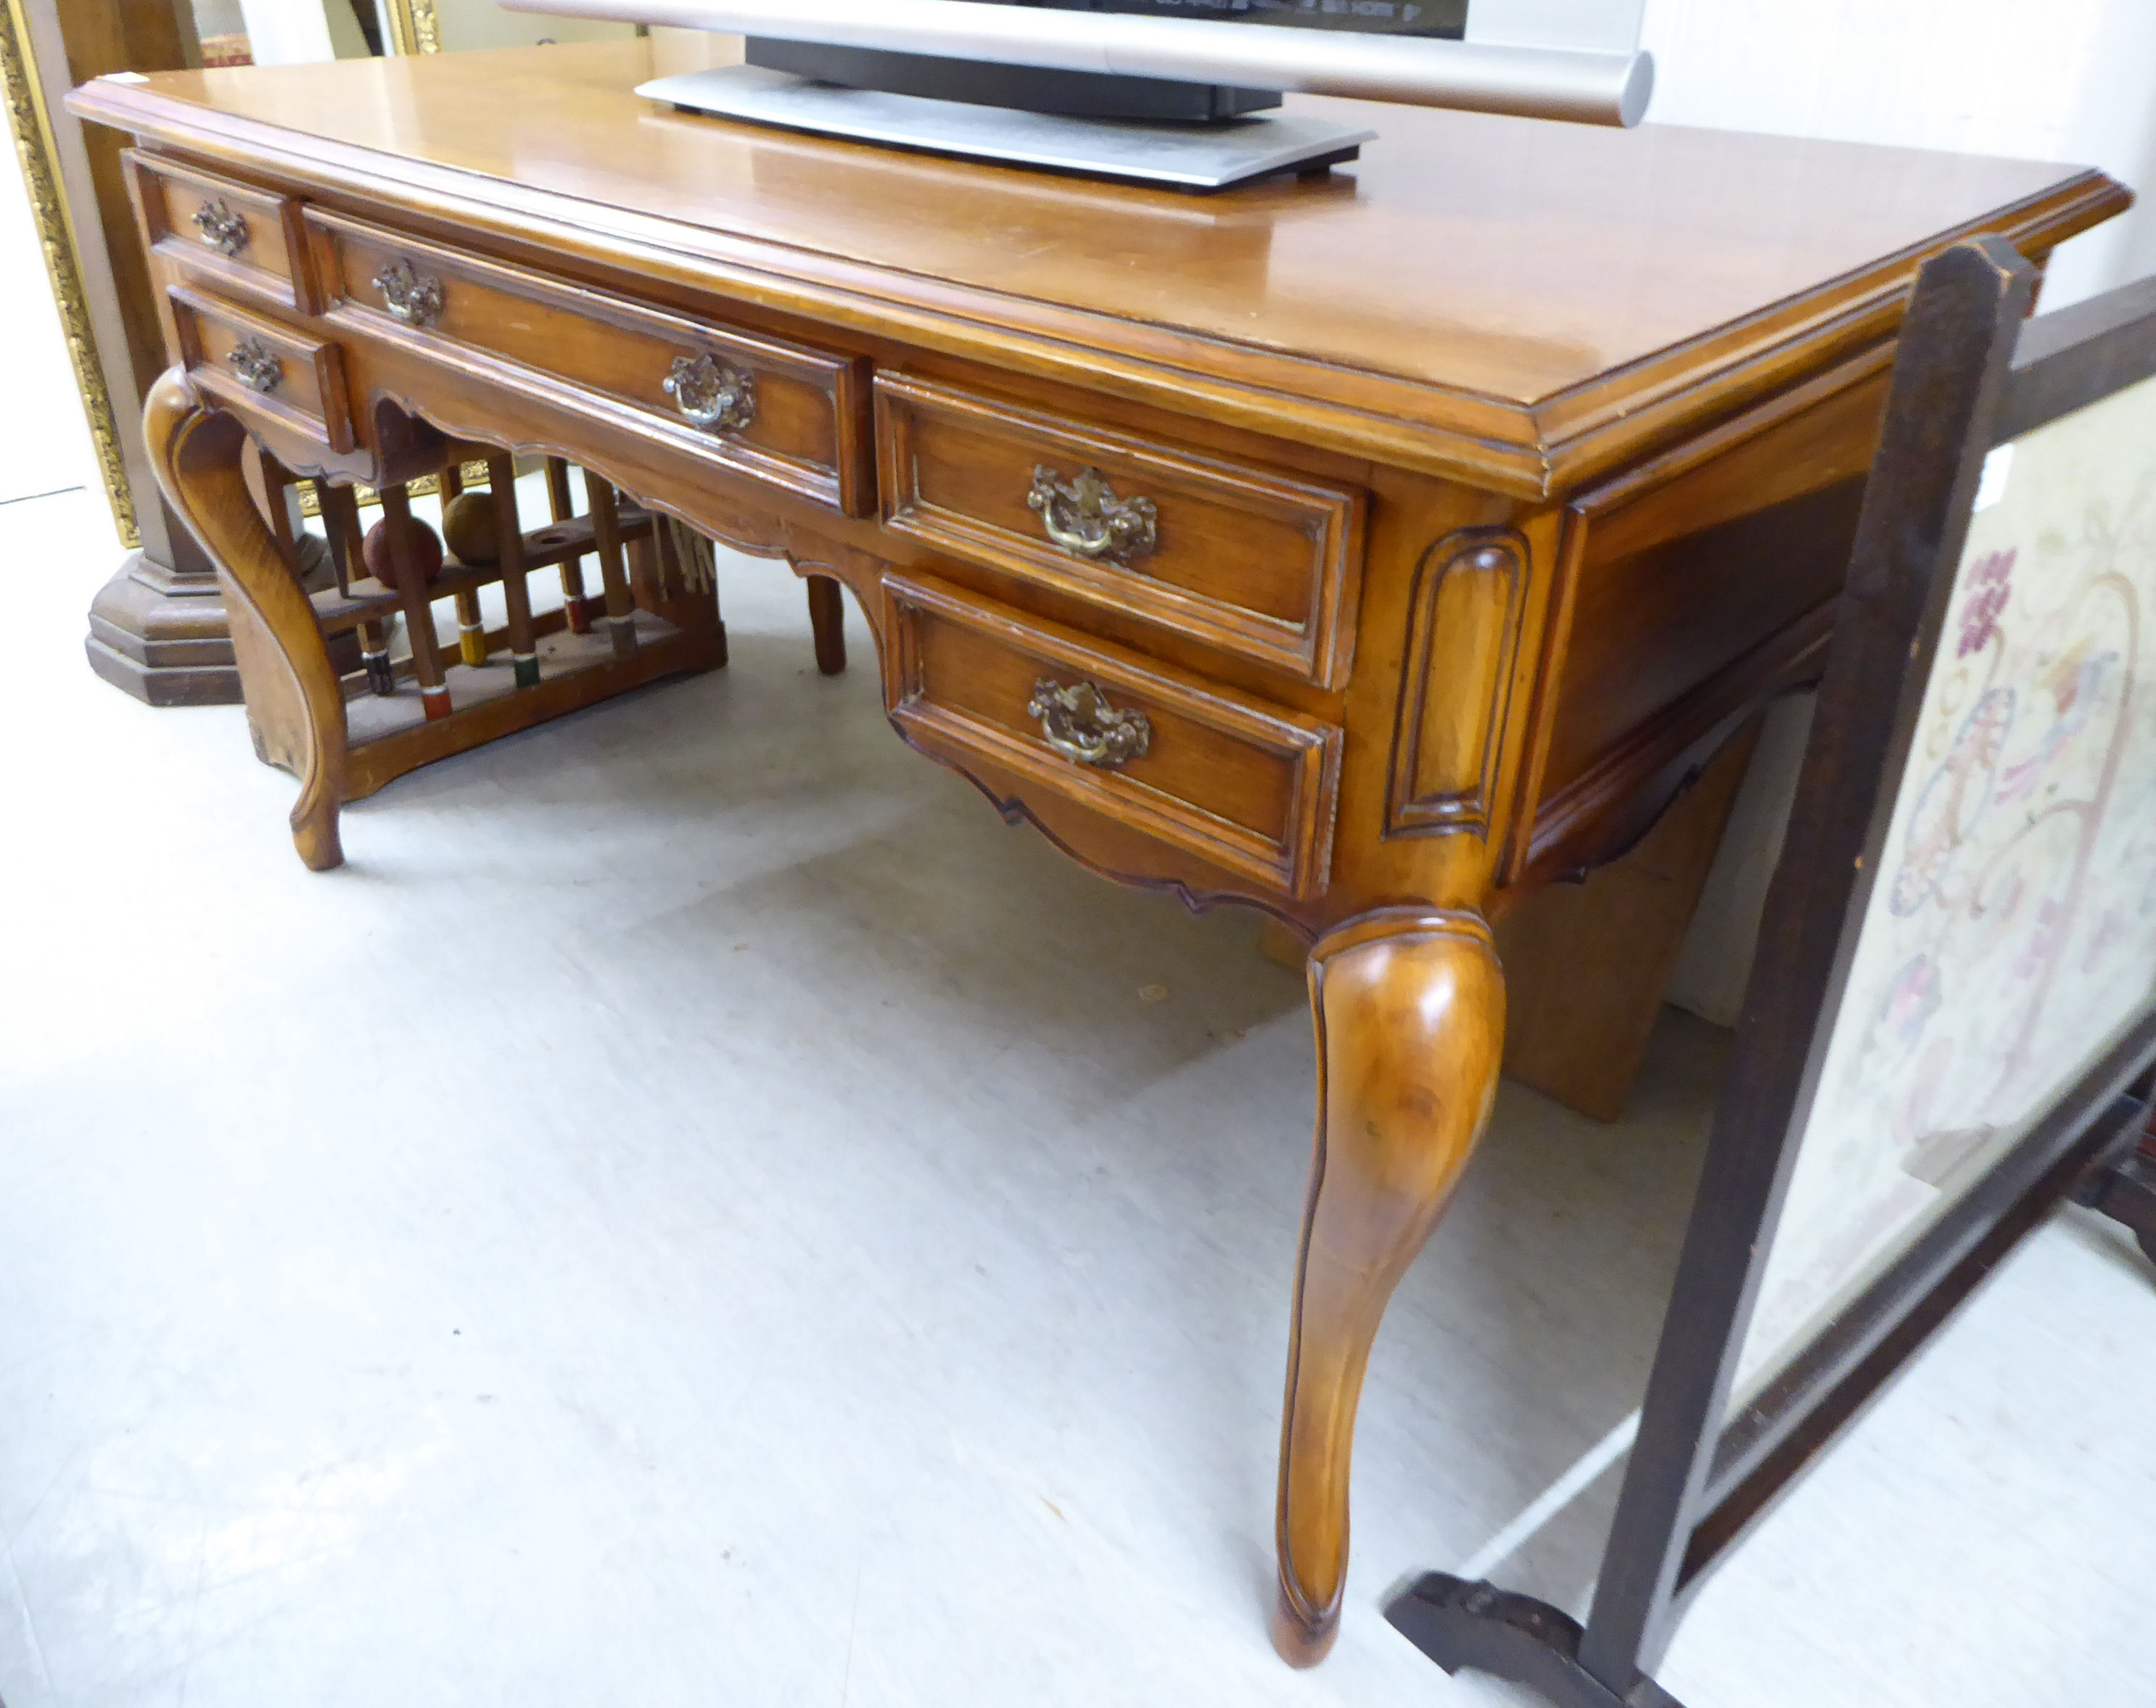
pixel 31 126
pixel 414 28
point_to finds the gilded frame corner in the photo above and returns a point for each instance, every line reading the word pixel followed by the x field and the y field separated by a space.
pixel 29 122
pixel 413 26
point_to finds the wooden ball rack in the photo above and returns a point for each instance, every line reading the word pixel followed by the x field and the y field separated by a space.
pixel 656 615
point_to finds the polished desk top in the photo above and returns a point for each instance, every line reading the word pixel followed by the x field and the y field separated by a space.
pixel 1511 300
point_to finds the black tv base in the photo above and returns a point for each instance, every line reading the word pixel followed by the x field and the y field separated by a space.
pixel 1078 95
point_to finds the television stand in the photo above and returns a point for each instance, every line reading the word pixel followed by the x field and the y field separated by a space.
pixel 1202 156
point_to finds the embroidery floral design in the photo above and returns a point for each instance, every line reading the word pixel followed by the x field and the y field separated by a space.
pixel 2012 928
pixel 1990 584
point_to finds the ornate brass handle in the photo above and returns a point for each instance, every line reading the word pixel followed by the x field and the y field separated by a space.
pixel 257 364
pixel 1079 723
pixel 711 395
pixel 220 228
pixel 409 295
pixel 1085 517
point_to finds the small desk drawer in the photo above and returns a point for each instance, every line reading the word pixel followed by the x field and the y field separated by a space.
pixel 1256 562
pixel 778 411
pixel 241 236
pixel 262 368
pixel 1247 786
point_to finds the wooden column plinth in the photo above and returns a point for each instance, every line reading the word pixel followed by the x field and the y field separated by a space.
pixel 161 634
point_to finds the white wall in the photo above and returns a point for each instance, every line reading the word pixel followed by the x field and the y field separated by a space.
pixel 299 32
pixel 287 32
pixel 219 17
pixel 2043 79
pixel 2063 80
pixel 304 32
pixel 481 23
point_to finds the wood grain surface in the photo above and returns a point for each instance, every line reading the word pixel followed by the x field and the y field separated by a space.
pixel 1665 272
pixel 1410 1012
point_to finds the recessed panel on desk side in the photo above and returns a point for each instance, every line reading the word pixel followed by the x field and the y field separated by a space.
pixel 1692 586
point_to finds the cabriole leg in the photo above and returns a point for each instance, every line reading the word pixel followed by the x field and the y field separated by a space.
pixel 1410 1016
pixel 293 699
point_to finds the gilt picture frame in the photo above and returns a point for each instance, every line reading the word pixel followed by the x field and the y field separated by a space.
pixel 37 152
pixel 414 27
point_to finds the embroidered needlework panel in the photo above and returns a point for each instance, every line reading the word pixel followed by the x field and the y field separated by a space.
pixel 2010 934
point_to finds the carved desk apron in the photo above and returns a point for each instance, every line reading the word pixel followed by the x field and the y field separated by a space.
pixel 1368 550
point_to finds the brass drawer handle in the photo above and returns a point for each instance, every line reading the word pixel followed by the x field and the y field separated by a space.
pixel 409 295
pixel 257 364
pixel 1085 517
pixel 710 394
pixel 220 228
pixel 1079 723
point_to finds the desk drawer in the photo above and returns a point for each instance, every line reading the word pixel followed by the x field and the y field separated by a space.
pixel 262 368
pixel 1249 786
pixel 775 411
pixel 241 236
pixel 1256 562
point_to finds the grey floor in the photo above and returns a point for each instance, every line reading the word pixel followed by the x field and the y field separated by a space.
pixel 698 1212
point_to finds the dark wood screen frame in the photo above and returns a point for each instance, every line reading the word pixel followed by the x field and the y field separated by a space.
pixel 1972 373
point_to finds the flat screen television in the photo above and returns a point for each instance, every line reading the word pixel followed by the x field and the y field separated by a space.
pixel 933 73
pixel 1101 94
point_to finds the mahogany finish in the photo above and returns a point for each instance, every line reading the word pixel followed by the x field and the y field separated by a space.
pixel 827 623
pixel 1248 786
pixel 1248 560
pixel 809 431
pixel 1417 532
pixel 1589 964
pixel 1410 1015
pixel 298 380
pixel 244 239
pixel 294 704
pixel 1531 349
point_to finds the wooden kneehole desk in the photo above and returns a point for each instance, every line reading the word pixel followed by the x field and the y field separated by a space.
pixel 1371 550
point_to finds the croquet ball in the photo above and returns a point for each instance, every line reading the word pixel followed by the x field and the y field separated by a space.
pixel 426 552
pixel 468 528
